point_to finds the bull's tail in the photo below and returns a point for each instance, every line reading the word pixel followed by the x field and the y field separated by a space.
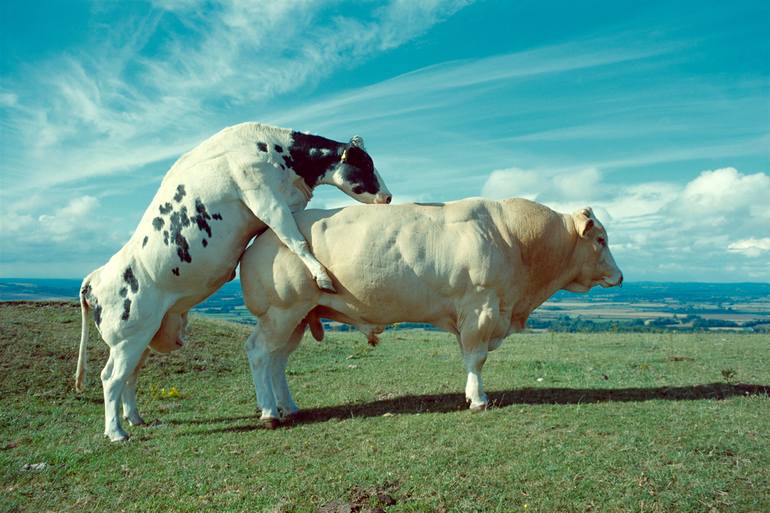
pixel 80 373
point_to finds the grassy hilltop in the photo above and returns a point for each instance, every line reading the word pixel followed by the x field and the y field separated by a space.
pixel 583 422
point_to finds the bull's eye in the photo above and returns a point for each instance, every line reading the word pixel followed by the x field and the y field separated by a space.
pixel 358 189
pixel 602 241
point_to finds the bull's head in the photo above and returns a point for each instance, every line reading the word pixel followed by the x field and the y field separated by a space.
pixel 596 264
pixel 356 176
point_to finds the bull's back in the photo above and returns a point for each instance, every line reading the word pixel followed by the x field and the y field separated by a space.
pixel 408 262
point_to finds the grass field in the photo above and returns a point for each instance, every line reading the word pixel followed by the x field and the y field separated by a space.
pixel 582 422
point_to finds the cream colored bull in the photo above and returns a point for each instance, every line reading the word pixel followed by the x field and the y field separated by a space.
pixel 476 268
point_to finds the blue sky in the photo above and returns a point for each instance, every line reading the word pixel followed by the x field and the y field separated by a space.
pixel 657 114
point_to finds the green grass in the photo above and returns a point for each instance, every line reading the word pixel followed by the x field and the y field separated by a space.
pixel 610 422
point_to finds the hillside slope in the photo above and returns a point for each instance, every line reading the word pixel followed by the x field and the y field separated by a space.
pixel 582 422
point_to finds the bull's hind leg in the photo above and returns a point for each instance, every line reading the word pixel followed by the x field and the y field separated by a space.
pixel 268 347
pixel 260 364
pixel 123 360
pixel 286 405
pixel 130 411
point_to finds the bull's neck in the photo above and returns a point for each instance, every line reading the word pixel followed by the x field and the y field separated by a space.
pixel 549 259
pixel 313 156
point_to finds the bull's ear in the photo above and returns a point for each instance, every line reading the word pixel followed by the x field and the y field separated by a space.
pixel 357 141
pixel 584 222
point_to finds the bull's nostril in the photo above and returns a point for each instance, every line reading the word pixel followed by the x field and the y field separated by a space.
pixel 621 280
pixel 388 198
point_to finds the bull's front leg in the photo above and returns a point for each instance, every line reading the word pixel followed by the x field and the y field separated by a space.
pixel 276 215
pixel 477 335
pixel 474 387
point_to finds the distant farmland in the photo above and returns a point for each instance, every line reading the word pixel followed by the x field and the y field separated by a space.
pixel 643 306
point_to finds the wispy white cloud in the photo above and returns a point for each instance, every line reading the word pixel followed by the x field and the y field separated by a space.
pixel 413 89
pixel 750 247
pixel 106 108
pixel 82 124
pixel 725 191
pixel 568 123
pixel 441 128
pixel 58 240
pixel 8 99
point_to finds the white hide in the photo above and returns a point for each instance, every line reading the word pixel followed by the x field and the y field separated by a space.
pixel 211 202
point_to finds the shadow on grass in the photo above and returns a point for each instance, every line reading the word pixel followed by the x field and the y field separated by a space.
pixel 444 403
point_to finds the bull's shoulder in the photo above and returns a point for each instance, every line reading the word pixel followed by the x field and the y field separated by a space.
pixel 249 132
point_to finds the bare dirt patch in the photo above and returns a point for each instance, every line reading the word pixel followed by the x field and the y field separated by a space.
pixel 363 500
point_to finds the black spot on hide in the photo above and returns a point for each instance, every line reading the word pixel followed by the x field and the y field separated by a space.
pixel 262 146
pixel 126 309
pixel 217 216
pixel 180 193
pixel 182 248
pixel 165 237
pixel 179 220
pixel 205 243
pixel 158 223
pixel 92 301
pixel 144 242
pixel 278 148
pixel 128 277
pixel 201 219
pixel 123 292
pixel 165 208
pixel 175 270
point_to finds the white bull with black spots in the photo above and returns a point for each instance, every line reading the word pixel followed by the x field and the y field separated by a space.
pixel 475 268
pixel 212 201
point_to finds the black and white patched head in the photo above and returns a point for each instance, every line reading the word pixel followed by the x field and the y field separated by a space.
pixel 357 177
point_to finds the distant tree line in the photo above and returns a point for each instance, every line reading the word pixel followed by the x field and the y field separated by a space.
pixel 567 324
pixel 687 323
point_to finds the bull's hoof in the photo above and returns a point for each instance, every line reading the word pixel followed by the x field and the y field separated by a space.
pixel 136 421
pixel 271 423
pixel 288 417
pixel 117 436
pixel 477 407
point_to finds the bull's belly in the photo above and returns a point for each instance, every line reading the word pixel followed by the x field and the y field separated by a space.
pixel 388 304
